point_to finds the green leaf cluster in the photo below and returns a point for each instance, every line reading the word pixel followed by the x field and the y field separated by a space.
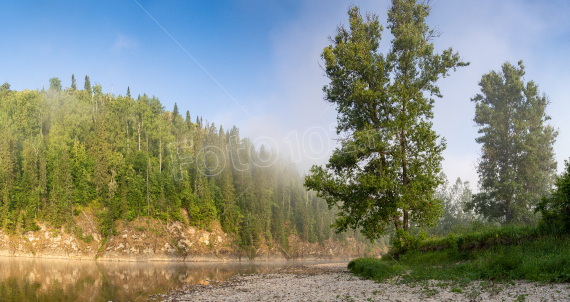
pixel 386 169
pixel 517 165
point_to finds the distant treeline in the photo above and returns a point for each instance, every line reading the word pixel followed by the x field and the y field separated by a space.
pixel 65 149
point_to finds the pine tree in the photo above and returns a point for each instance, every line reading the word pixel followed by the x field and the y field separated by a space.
pixel 128 92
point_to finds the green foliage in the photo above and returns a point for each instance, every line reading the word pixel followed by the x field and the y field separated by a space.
pixel 54 84
pixel 79 234
pixel 555 208
pixel 373 268
pixel 403 242
pixel 73 82
pixel 457 218
pixel 506 235
pixel 517 165
pixel 386 169
pixel 127 159
pixel 175 112
pixel 87 85
pixel 505 254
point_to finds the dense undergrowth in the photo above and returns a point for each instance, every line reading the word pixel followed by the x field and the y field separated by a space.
pixel 537 253
pixel 506 253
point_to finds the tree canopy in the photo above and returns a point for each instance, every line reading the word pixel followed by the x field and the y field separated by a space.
pixel 386 168
pixel 65 150
pixel 517 163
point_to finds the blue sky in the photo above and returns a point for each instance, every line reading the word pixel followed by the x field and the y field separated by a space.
pixel 260 61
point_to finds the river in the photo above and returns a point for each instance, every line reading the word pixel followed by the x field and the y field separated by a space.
pixel 35 279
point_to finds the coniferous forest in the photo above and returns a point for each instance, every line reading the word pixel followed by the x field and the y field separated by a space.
pixel 65 149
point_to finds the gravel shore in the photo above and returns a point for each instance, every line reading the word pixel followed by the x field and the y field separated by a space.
pixel 333 282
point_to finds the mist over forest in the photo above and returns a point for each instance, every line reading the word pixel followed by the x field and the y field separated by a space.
pixel 67 149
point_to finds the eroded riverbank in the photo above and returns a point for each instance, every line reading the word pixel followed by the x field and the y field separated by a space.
pixel 152 240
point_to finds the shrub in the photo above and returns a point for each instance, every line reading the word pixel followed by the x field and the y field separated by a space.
pixel 130 216
pixel 373 268
pixel 555 208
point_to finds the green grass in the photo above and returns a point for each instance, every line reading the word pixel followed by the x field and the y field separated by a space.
pixel 498 255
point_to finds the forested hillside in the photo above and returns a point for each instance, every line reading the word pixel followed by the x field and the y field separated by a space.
pixel 65 149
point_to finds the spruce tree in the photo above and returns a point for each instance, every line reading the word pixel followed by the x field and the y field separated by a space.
pixel 175 112
pixel 87 86
pixel 73 82
pixel 128 92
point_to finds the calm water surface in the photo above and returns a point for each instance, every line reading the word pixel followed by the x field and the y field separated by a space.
pixel 24 279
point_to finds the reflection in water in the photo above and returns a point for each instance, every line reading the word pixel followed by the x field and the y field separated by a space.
pixel 24 279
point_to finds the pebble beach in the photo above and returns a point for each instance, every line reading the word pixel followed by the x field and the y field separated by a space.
pixel 333 282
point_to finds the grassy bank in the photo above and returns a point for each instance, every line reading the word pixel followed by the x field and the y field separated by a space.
pixel 503 254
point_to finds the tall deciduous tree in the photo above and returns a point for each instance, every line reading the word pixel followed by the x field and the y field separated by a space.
pixel 517 163
pixel 386 169
pixel 54 84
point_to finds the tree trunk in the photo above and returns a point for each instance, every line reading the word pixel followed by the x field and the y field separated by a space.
pixel 289 214
pixel 139 132
pixel 147 191
pixel 127 122
pixel 397 222
pixel 508 215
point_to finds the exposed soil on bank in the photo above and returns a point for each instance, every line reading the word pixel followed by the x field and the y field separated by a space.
pixel 146 239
